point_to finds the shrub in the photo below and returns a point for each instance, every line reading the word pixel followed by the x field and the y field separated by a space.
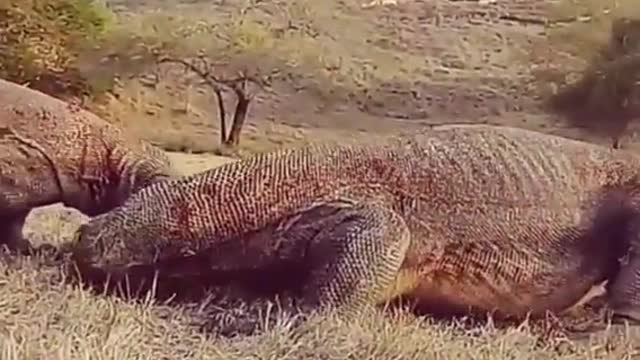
pixel 593 66
pixel 41 39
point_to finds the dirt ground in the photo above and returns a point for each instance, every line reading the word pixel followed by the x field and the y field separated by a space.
pixel 441 61
pixel 450 61
pixel 455 61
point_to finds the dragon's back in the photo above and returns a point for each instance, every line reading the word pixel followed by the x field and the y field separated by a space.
pixel 502 217
pixel 509 183
pixel 480 163
pixel 466 166
pixel 43 118
pixel 64 130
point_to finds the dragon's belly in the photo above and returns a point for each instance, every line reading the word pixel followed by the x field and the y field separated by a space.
pixel 510 261
pixel 445 294
pixel 478 278
pixel 440 293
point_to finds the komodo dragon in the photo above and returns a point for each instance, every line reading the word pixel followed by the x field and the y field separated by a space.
pixel 462 219
pixel 51 151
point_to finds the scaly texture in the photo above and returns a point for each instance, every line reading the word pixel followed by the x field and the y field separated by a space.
pixel 51 151
pixel 461 219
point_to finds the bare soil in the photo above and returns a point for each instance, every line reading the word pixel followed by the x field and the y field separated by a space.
pixel 457 61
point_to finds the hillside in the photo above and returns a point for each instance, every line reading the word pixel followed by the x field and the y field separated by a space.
pixel 434 62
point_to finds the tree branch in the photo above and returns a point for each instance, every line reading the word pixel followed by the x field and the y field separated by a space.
pixel 238 84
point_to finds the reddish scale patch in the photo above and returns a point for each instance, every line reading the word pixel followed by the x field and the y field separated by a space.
pixel 379 167
pixel 182 215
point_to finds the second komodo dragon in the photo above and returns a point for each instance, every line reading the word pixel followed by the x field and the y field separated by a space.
pixel 51 151
pixel 460 219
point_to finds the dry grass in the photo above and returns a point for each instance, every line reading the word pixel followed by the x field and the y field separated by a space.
pixel 42 318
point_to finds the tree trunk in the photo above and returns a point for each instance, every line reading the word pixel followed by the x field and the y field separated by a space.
pixel 240 115
pixel 222 115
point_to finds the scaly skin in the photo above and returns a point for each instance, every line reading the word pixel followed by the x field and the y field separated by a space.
pixel 461 219
pixel 51 151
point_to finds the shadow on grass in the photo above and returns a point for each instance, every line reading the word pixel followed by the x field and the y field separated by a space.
pixel 228 303
pixel 224 303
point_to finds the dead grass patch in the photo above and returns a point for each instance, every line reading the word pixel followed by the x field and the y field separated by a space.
pixel 42 318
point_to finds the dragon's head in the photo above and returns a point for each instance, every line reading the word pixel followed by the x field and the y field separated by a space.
pixel 130 172
pixel 100 242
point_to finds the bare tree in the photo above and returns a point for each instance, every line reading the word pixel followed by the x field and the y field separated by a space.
pixel 242 85
pixel 264 45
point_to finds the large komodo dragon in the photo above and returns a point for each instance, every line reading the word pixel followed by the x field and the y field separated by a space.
pixel 51 151
pixel 461 219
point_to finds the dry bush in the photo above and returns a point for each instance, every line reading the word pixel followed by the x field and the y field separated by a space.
pixel 589 66
pixel 605 100
pixel 41 39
